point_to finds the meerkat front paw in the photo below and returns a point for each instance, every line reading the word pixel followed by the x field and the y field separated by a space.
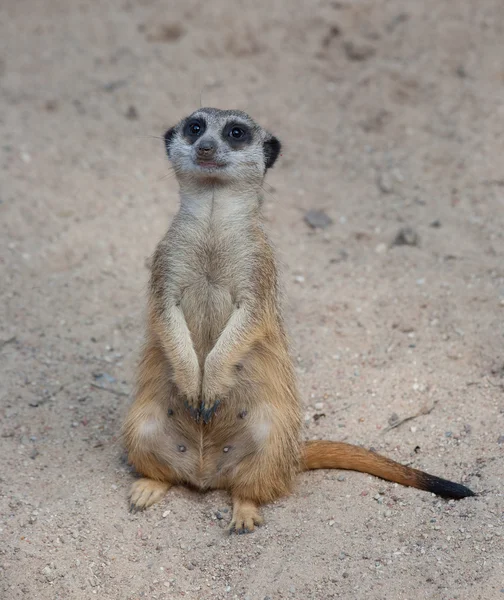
pixel 212 394
pixel 218 379
pixel 188 382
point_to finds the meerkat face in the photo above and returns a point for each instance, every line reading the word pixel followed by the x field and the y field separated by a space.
pixel 220 145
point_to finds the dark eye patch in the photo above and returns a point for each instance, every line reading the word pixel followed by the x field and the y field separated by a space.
pixel 237 135
pixel 193 129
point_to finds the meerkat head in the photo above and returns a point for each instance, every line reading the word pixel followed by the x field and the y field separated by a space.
pixel 215 145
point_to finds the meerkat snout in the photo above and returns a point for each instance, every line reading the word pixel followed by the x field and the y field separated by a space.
pixel 206 149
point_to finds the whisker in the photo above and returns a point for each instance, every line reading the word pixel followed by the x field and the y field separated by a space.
pixel 171 169
pixel 155 137
pixel 140 136
pixel 167 176
pixel 267 193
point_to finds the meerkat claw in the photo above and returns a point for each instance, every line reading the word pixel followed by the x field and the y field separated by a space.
pixel 208 413
pixel 133 509
pixel 195 412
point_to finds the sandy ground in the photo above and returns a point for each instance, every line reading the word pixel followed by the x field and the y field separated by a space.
pixel 392 115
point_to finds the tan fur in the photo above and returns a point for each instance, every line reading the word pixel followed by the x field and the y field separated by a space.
pixel 338 455
pixel 215 333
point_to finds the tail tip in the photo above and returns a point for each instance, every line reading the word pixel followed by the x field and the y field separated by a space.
pixel 447 489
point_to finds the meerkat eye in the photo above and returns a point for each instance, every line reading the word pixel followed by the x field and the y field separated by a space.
pixel 237 133
pixel 194 129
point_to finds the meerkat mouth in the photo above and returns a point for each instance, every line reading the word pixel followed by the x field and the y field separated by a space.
pixel 209 164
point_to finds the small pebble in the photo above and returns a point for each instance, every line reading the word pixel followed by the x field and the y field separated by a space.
pixel 104 376
pixel 340 478
pixel 462 73
pixel 51 105
pixel 357 49
pixel 500 439
pixel 406 236
pixel 319 405
pixel 166 513
pixel 394 417
pixel 132 113
pixel 317 219
pixel 384 183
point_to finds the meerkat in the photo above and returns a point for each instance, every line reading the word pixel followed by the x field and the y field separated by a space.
pixel 216 403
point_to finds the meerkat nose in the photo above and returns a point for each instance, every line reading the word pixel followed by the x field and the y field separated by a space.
pixel 206 148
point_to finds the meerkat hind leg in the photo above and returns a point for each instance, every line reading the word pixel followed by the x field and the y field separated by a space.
pixel 144 492
pixel 246 516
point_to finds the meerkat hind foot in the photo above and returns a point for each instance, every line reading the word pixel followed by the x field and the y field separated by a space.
pixel 145 492
pixel 245 517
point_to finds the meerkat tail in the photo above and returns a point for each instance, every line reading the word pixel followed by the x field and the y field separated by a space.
pixel 338 455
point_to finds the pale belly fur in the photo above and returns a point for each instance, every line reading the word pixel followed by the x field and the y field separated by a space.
pixel 207 307
pixel 207 455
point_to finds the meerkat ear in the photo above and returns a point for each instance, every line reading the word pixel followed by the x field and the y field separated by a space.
pixel 272 147
pixel 168 139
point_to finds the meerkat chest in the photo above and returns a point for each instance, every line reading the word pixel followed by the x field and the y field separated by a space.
pixel 217 270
